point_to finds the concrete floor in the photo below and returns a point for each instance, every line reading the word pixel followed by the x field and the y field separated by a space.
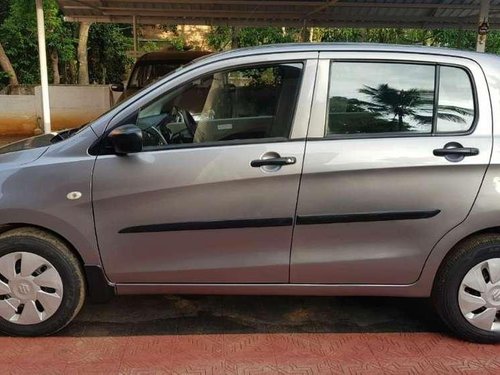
pixel 251 335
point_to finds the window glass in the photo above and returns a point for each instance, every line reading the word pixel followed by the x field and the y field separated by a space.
pixel 146 73
pixel 366 97
pixel 246 103
pixel 456 100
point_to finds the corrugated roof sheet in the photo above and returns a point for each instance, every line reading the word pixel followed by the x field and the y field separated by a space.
pixel 353 13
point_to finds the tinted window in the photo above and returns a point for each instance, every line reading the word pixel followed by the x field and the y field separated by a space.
pixel 380 98
pixel 456 100
pixel 239 104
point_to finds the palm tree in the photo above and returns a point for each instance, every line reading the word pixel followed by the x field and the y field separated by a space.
pixel 413 103
pixel 399 103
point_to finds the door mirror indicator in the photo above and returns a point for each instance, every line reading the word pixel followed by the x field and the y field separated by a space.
pixel 126 139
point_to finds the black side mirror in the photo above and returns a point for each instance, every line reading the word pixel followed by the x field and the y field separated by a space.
pixel 126 139
pixel 117 87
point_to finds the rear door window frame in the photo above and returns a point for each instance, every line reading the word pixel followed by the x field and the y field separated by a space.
pixel 433 132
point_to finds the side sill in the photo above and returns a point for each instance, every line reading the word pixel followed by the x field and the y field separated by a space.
pixel 411 290
pixel 100 290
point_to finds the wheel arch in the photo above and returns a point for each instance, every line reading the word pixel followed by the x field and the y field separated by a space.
pixel 99 288
pixel 443 250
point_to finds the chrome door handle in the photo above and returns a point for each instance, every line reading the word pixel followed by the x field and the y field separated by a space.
pixel 273 161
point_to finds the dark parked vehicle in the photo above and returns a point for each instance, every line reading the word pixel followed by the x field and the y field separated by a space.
pixel 308 169
pixel 151 67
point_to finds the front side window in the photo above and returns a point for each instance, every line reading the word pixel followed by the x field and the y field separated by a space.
pixel 393 97
pixel 256 102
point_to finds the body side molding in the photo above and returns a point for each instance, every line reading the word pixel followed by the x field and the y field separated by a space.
pixel 282 222
pixel 204 225
pixel 366 216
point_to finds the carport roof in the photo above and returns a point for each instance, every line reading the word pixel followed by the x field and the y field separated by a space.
pixel 332 13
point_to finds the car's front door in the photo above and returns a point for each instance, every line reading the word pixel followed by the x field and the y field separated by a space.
pixel 212 196
pixel 398 163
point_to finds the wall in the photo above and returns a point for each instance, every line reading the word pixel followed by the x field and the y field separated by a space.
pixel 17 114
pixel 70 106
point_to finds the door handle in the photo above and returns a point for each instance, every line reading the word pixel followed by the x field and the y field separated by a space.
pixel 273 161
pixel 455 152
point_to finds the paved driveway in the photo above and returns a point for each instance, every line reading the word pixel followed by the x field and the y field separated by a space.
pixel 251 335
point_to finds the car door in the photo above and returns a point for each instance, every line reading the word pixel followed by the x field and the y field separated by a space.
pixel 212 196
pixel 397 164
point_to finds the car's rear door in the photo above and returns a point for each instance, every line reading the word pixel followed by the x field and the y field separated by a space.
pixel 397 149
pixel 210 207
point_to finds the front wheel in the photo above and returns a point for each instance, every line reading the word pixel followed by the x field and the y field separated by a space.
pixel 42 287
pixel 467 289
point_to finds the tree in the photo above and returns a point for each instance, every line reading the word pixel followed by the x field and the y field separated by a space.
pixel 386 101
pixel 389 101
pixel 18 35
pixel 7 67
pixel 107 52
pixel 223 37
pixel 83 65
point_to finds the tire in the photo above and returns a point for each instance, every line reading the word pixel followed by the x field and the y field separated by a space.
pixel 56 301
pixel 451 289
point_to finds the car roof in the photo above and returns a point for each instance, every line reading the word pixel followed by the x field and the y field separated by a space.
pixel 348 47
pixel 166 55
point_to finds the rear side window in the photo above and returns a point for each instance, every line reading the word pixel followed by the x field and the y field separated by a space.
pixel 381 97
pixel 456 100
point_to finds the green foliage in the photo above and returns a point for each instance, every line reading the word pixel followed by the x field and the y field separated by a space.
pixel 19 35
pixel 149 46
pixel 108 43
pixel 451 38
pixel 178 43
pixel 219 38
pixel 107 47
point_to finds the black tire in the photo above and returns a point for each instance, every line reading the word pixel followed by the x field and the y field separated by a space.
pixel 465 256
pixel 35 241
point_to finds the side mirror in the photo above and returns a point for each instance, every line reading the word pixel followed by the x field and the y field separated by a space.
pixel 126 139
pixel 117 87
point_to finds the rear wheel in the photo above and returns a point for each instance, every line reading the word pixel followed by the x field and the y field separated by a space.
pixel 42 287
pixel 467 289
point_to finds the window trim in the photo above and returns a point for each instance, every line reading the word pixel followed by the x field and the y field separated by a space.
pixel 433 132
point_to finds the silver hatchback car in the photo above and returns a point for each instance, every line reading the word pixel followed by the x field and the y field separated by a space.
pixel 307 169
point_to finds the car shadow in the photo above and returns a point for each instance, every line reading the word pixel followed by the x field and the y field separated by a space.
pixel 185 315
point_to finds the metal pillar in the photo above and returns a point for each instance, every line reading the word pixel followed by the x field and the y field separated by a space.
pixel 134 28
pixel 42 53
pixel 484 13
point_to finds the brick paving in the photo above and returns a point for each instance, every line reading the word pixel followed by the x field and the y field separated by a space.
pixel 251 335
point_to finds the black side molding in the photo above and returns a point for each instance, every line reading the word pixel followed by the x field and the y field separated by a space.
pixel 99 288
pixel 368 216
pixel 204 225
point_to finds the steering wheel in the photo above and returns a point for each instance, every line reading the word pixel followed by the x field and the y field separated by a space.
pixel 153 133
pixel 187 119
pixel 163 129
